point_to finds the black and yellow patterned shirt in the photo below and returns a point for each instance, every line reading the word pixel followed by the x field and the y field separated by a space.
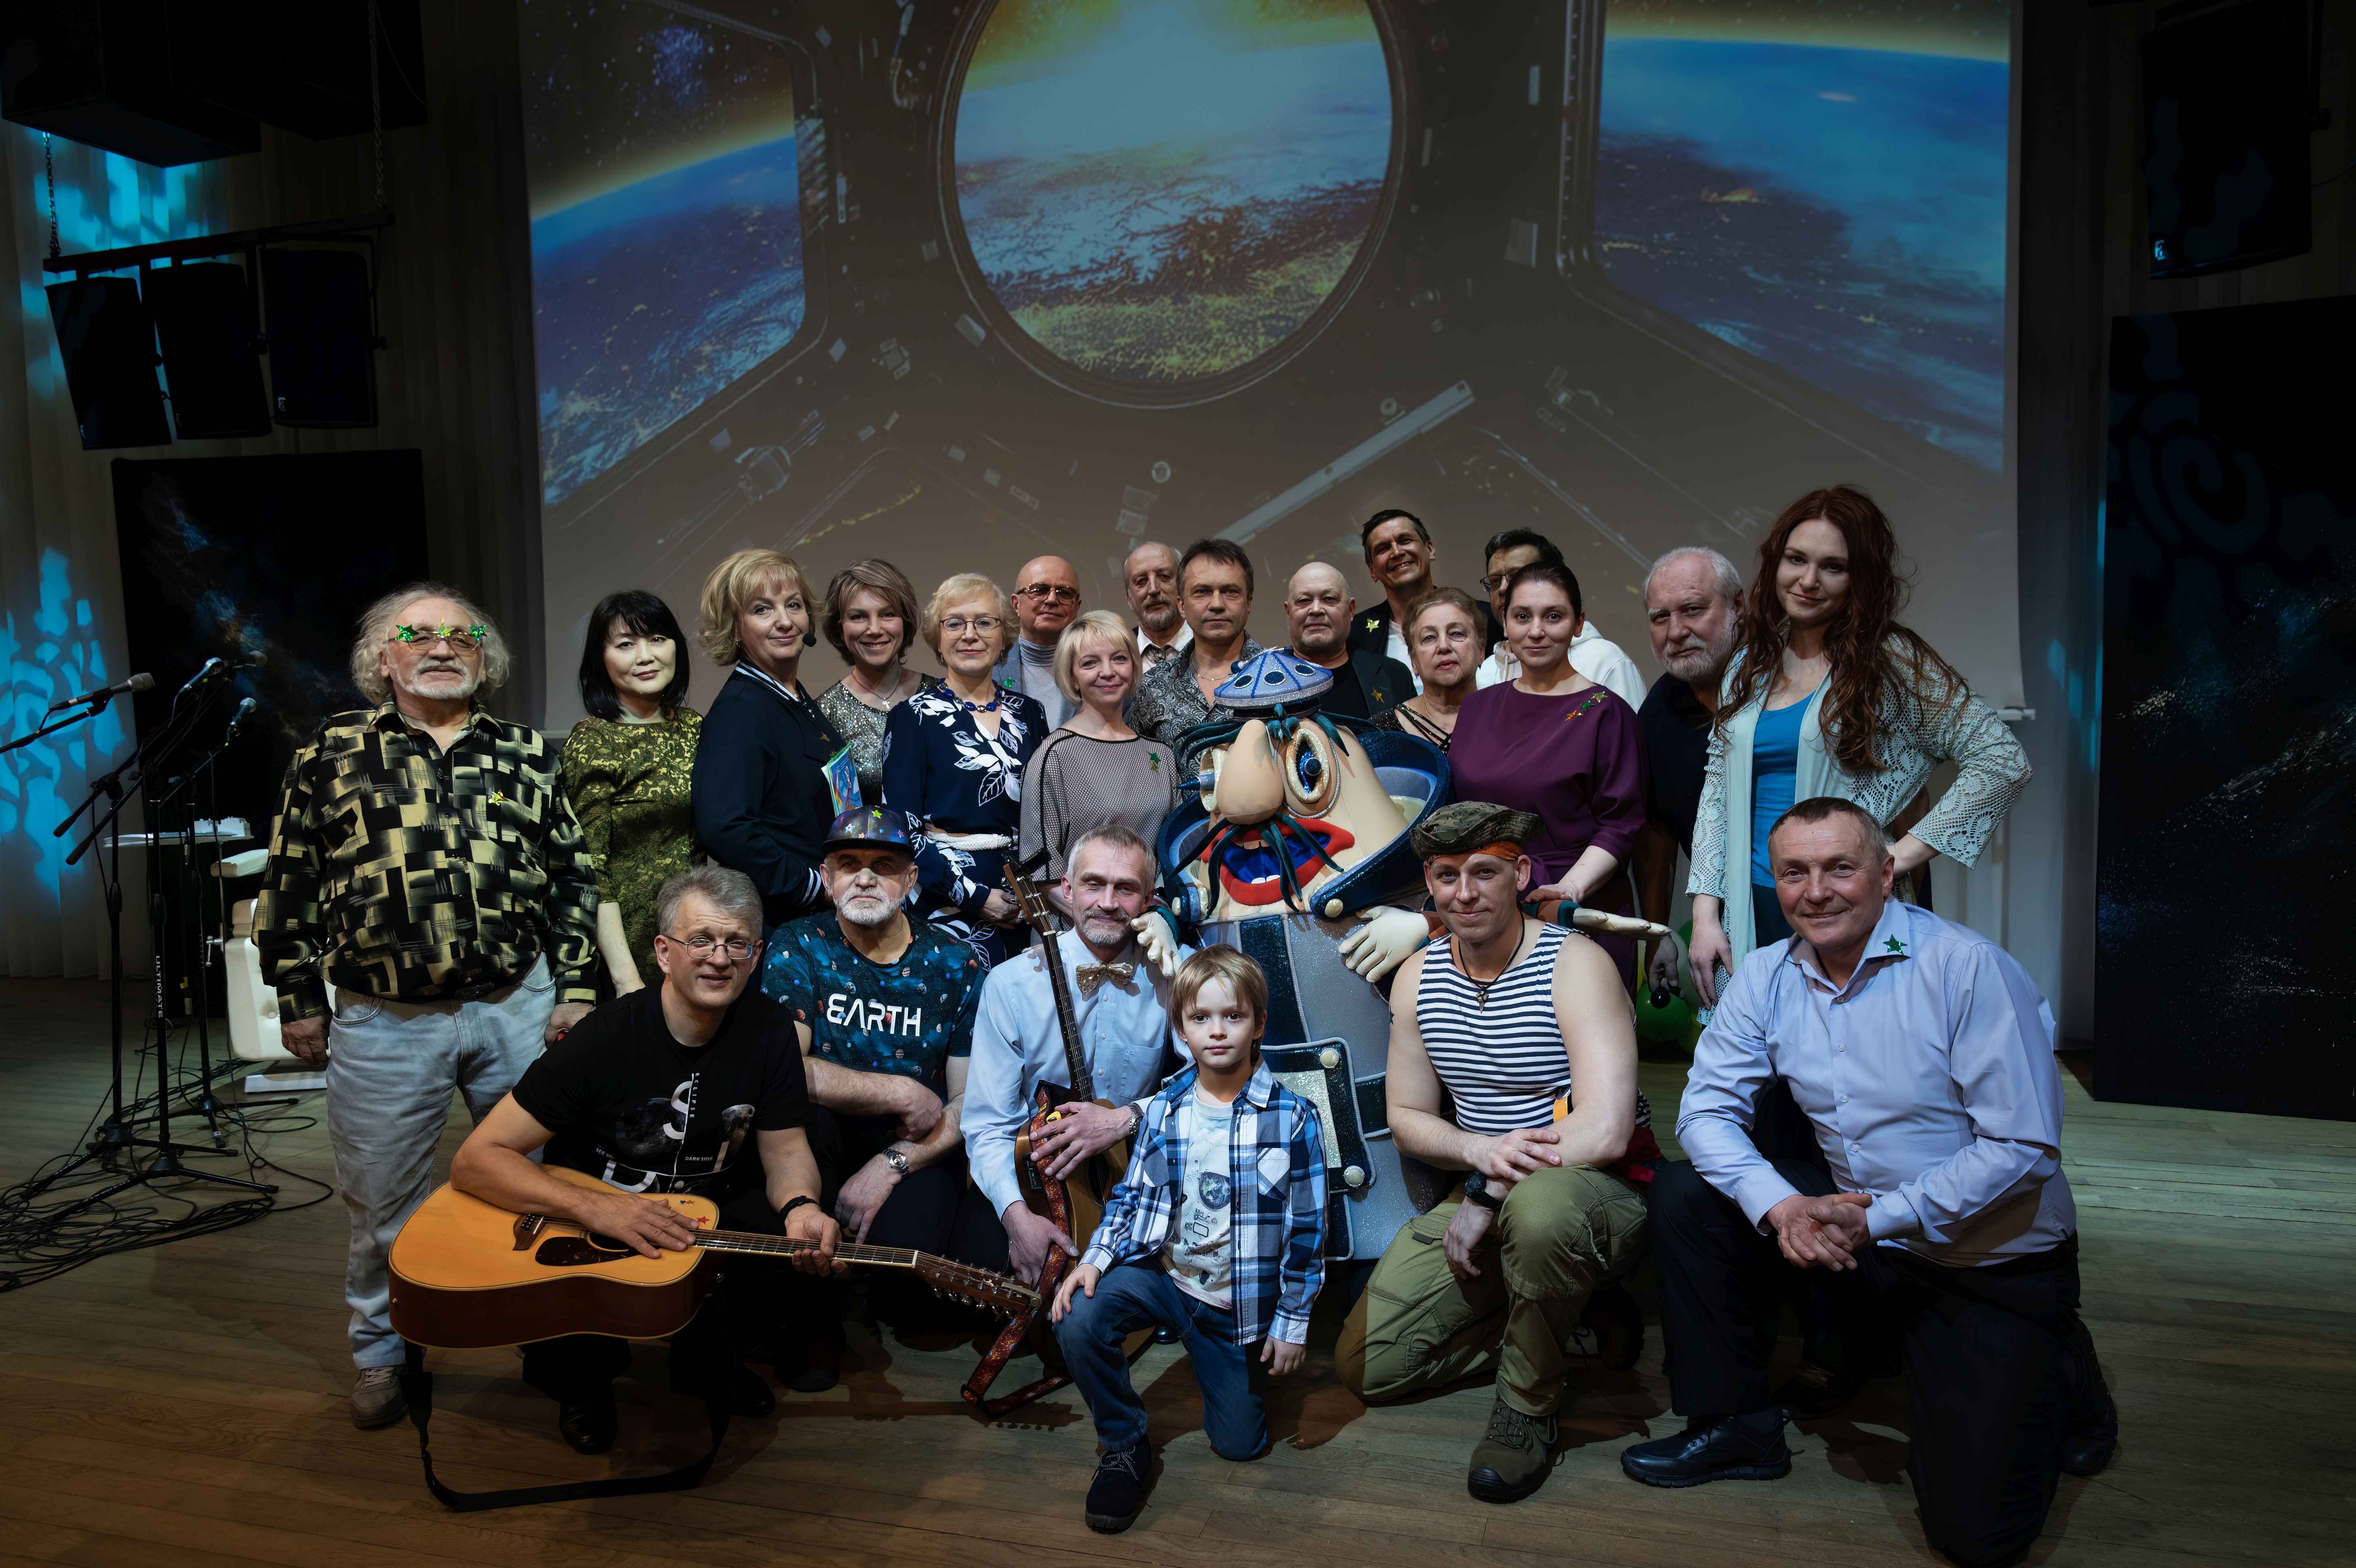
pixel 403 872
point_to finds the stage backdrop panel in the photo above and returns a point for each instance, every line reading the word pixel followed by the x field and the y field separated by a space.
pixel 2224 977
pixel 957 283
pixel 268 558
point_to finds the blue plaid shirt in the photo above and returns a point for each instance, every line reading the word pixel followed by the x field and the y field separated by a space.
pixel 1277 1166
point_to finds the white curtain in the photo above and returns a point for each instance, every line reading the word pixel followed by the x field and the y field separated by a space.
pixel 455 382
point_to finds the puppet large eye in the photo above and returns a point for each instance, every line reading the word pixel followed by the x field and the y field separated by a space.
pixel 1312 769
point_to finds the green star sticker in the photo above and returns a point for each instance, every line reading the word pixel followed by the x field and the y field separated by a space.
pixel 1374 621
pixel 1893 945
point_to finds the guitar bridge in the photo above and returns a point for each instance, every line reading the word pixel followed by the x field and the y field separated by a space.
pixel 528 1228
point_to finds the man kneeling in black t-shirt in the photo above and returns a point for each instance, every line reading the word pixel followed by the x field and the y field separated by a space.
pixel 656 1092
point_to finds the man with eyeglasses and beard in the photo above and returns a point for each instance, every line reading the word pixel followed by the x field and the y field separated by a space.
pixel 883 1007
pixel 1046 598
pixel 694 1086
pixel 425 867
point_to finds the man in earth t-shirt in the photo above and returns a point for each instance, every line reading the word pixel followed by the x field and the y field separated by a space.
pixel 695 1086
pixel 885 1009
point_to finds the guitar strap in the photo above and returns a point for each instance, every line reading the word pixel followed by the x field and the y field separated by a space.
pixel 417 1388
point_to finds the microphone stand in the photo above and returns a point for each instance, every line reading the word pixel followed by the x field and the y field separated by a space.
pixel 192 883
pixel 116 1134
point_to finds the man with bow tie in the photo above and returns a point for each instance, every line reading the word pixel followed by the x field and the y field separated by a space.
pixel 1119 998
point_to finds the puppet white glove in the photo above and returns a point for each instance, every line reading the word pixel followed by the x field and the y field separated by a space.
pixel 1383 942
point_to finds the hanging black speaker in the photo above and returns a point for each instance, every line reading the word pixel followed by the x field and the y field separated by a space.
pixel 205 326
pixel 108 342
pixel 2228 105
pixel 321 337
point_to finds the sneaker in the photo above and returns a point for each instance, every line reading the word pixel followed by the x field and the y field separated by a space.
pixel 1118 1494
pixel 376 1399
pixel 1738 1448
pixel 1512 1461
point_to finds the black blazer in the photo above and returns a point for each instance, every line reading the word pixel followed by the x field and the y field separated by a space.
pixel 1385 681
pixel 760 799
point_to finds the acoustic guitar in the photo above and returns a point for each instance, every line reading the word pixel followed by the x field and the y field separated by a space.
pixel 467 1275
pixel 1076 1202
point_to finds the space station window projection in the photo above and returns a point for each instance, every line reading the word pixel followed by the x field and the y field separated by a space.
pixel 666 240
pixel 1169 197
pixel 1823 187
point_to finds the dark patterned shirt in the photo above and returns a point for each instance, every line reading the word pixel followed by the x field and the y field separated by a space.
pixel 1168 704
pixel 403 872
pixel 906 1018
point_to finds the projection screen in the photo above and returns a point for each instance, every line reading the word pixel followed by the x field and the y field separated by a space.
pixel 957 283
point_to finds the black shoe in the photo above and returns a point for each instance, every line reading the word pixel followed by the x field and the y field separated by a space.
pixel 821 1365
pixel 1118 1494
pixel 2094 1436
pixel 740 1390
pixel 1813 1392
pixel 1729 1450
pixel 588 1425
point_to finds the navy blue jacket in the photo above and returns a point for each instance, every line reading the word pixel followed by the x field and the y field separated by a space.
pixel 760 798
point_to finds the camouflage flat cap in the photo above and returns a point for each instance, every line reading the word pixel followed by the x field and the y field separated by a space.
pixel 1470 825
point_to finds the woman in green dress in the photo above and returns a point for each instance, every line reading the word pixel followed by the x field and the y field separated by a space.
pixel 627 769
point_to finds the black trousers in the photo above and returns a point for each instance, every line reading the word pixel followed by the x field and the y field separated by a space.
pixel 1989 1353
pixel 748 1295
pixel 931 1210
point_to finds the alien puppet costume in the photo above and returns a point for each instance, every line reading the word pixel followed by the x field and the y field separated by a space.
pixel 1291 842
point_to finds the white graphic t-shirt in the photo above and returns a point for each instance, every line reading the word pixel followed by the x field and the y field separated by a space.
pixel 1202 1261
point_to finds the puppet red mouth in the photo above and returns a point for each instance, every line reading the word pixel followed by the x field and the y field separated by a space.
pixel 1249 864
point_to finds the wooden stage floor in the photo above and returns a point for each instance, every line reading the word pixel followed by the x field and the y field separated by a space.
pixel 186 1405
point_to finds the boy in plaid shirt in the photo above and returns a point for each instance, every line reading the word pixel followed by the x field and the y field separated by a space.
pixel 1215 1231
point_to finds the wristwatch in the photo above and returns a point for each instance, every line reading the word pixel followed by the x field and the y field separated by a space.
pixel 897 1161
pixel 1476 1190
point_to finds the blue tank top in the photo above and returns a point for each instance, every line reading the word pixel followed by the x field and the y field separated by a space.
pixel 1775 778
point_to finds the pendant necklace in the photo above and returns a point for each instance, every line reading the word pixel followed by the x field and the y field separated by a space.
pixel 1481 987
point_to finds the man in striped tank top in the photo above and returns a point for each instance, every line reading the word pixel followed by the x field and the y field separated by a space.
pixel 1526 1026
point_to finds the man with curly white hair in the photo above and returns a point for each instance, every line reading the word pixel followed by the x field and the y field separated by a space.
pixel 430 911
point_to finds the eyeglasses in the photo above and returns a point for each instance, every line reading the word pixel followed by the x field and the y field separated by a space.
pixel 465 640
pixel 737 949
pixel 957 626
pixel 1496 581
pixel 1038 591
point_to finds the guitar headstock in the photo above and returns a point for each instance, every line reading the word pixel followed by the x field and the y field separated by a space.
pixel 1009 1298
pixel 1031 900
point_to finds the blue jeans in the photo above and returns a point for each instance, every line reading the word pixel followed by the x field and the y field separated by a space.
pixel 391 1066
pixel 1133 1296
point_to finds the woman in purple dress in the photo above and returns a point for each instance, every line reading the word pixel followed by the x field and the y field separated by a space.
pixel 1552 742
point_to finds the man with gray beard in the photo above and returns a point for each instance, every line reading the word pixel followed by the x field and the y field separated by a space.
pixel 425 867
pixel 884 1009
pixel 1693 605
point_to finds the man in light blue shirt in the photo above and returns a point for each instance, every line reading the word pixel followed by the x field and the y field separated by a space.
pixel 1922 1056
pixel 1120 1002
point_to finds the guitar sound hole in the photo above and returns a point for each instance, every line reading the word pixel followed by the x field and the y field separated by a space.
pixel 573 1251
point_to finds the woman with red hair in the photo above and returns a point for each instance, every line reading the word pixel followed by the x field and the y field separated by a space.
pixel 1830 695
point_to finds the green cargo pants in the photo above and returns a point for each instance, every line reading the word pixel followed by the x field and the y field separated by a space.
pixel 1560 1234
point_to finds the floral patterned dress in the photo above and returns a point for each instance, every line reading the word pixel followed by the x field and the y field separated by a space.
pixel 628 785
pixel 942 769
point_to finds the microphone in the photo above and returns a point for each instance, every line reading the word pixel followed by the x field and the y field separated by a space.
pixel 212 667
pixel 237 720
pixel 142 682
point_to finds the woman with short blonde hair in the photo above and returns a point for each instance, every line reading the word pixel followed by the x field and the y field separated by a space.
pixel 957 590
pixel 771 774
pixel 734 584
pixel 953 760
pixel 1094 768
